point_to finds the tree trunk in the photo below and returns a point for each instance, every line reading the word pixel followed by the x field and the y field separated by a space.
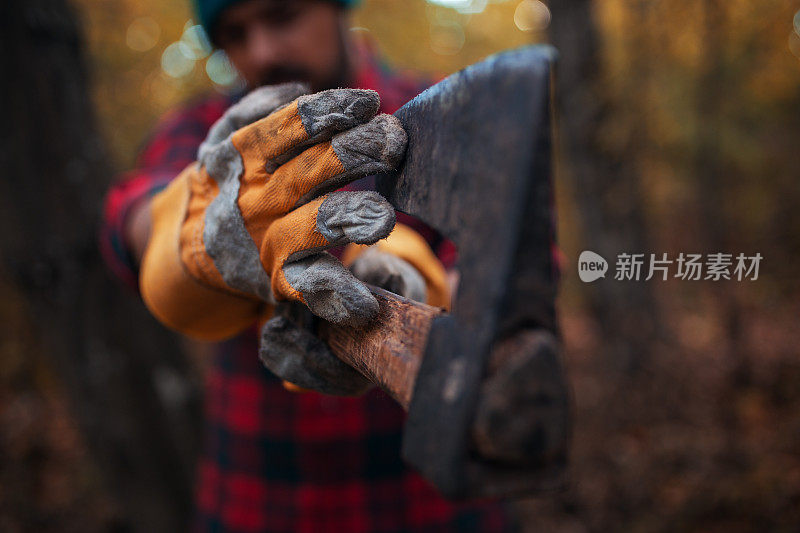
pixel 131 389
pixel 604 183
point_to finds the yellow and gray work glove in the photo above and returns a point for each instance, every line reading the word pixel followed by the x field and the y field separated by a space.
pixel 249 223
pixel 389 272
pixel 291 350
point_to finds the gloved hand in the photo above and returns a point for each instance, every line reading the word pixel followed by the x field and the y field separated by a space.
pixel 291 350
pixel 389 272
pixel 250 222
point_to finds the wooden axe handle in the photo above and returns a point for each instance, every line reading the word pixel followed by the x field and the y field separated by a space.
pixel 389 350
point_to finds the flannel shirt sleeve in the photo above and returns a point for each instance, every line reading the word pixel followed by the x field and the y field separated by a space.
pixel 172 146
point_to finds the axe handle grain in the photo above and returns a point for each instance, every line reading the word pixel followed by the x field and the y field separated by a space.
pixel 389 350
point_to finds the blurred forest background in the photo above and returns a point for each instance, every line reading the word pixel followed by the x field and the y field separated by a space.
pixel 678 125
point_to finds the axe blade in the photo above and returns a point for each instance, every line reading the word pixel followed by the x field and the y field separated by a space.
pixel 477 169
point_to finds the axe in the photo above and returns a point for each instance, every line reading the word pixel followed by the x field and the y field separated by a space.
pixel 488 410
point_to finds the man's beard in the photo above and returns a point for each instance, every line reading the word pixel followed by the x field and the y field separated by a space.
pixel 285 74
pixel 341 75
pixel 294 73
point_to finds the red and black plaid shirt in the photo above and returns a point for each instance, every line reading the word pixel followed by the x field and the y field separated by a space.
pixel 280 461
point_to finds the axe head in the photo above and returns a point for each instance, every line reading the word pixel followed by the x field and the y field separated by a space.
pixel 478 170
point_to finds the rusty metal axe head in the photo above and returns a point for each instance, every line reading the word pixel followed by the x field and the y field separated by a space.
pixel 478 170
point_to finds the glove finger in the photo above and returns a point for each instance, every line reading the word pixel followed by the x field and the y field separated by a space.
pixel 293 353
pixel 389 272
pixel 362 217
pixel 330 291
pixel 310 119
pixel 321 281
pixel 339 218
pixel 255 105
pixel 371 148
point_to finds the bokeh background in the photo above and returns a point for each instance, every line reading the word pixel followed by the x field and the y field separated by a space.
pixel 678 131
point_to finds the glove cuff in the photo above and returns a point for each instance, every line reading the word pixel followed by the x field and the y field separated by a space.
pixel 172 294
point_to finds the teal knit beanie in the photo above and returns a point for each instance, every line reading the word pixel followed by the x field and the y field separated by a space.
pixel 208 11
